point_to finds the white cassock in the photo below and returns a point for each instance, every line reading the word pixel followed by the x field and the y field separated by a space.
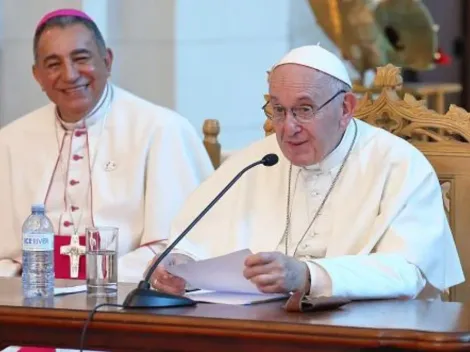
pixel 144 161
pixel 382 233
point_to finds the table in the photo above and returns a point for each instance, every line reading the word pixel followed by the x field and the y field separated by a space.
pixel 359 326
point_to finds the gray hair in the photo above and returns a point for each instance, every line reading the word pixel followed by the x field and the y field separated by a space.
pixel 335 84
pixel 66 21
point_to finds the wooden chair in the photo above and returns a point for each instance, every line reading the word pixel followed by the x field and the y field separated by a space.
pixel 443 139
pixel 211 131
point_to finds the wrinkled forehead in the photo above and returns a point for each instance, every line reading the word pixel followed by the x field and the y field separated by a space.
pixel 292 81
pixel 61 40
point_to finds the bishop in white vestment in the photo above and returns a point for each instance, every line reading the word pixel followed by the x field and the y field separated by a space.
pixel 128 163
pixel 96 156
pixel 349 211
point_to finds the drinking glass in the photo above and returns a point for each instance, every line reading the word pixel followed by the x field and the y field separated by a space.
pixel 101 261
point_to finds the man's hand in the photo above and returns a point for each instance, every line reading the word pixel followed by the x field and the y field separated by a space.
pixel 163 281
pixel 9 268
pixel 274 272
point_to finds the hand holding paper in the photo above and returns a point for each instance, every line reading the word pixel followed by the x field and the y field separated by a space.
pixel 164 281
pixel 223 275
pixel 274 272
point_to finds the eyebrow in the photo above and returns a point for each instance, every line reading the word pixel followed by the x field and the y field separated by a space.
pixel 73 53
pixel 305 99
pixel 301 100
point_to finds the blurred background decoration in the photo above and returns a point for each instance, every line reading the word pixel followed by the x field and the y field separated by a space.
pixel 372 33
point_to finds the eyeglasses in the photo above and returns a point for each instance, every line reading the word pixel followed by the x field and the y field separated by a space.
pixel 302 114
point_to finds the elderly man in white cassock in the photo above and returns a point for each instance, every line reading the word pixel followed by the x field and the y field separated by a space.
pixel 349 211
pixel 96 155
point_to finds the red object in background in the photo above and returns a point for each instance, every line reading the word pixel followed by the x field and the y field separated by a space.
pixel 441 58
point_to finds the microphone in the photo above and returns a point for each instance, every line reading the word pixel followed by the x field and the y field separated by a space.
pixel 144 296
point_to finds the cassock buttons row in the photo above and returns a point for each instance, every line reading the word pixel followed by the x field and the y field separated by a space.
pixel 80 133
pixel 74 182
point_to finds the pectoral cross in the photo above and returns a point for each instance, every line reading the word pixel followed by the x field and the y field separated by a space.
pixel 74 250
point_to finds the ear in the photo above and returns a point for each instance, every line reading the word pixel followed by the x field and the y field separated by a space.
pixel 108 59
pixel 349 106
pixel 36 75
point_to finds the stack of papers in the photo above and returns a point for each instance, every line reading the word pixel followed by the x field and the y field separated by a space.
pixel 221 280
pixel 59 291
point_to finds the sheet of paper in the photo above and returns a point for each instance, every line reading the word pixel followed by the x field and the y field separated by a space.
pixel 69 290
pixel 205 296
pixel 221 274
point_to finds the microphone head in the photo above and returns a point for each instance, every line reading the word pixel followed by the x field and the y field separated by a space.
pixel 270 159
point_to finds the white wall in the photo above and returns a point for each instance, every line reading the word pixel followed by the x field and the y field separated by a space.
pixel 203 58
pixel 142 36
pixel 223 51
pixel 19 93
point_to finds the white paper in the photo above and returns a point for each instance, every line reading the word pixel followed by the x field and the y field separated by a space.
pixel 221 274
pixel 69 290
pixel 204 296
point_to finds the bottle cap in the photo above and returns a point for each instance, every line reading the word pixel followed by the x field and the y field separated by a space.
pixel 37 208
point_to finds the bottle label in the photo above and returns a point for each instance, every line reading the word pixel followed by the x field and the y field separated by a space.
pixel 38 242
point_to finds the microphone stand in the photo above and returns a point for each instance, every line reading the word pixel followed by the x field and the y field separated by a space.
pixel 144 296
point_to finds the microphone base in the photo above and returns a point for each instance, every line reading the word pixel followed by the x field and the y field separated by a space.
pixel 147 298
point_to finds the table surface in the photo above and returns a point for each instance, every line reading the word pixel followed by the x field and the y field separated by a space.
pixel 406 324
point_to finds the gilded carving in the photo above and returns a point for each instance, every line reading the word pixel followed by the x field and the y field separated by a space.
pixel 409 118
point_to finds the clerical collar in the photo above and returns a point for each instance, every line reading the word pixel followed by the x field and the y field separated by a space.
pixel 95 115
pixel 336 157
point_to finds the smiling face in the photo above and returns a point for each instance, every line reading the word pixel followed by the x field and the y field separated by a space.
pixel 71 69
pixel 302 88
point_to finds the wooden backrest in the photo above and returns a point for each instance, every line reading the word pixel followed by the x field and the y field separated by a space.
pixel 443 139
pixel 211 131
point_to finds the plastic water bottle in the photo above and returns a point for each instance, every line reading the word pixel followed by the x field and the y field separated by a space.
pixel 38 254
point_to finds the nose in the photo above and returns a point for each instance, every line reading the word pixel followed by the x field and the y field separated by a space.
pixel 69 72
pixel 291 126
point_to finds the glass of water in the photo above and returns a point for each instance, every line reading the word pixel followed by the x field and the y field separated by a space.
pixel 101 261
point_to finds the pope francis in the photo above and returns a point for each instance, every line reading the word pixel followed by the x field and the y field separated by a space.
pixel 350 210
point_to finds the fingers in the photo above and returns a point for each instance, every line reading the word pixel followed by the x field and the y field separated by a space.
pixel 265 280
pixel 174 288
pixel 269 283
pixel 164 281
pixel 271 289
pixel 268 271
pixel 252 271
pixel 260 258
